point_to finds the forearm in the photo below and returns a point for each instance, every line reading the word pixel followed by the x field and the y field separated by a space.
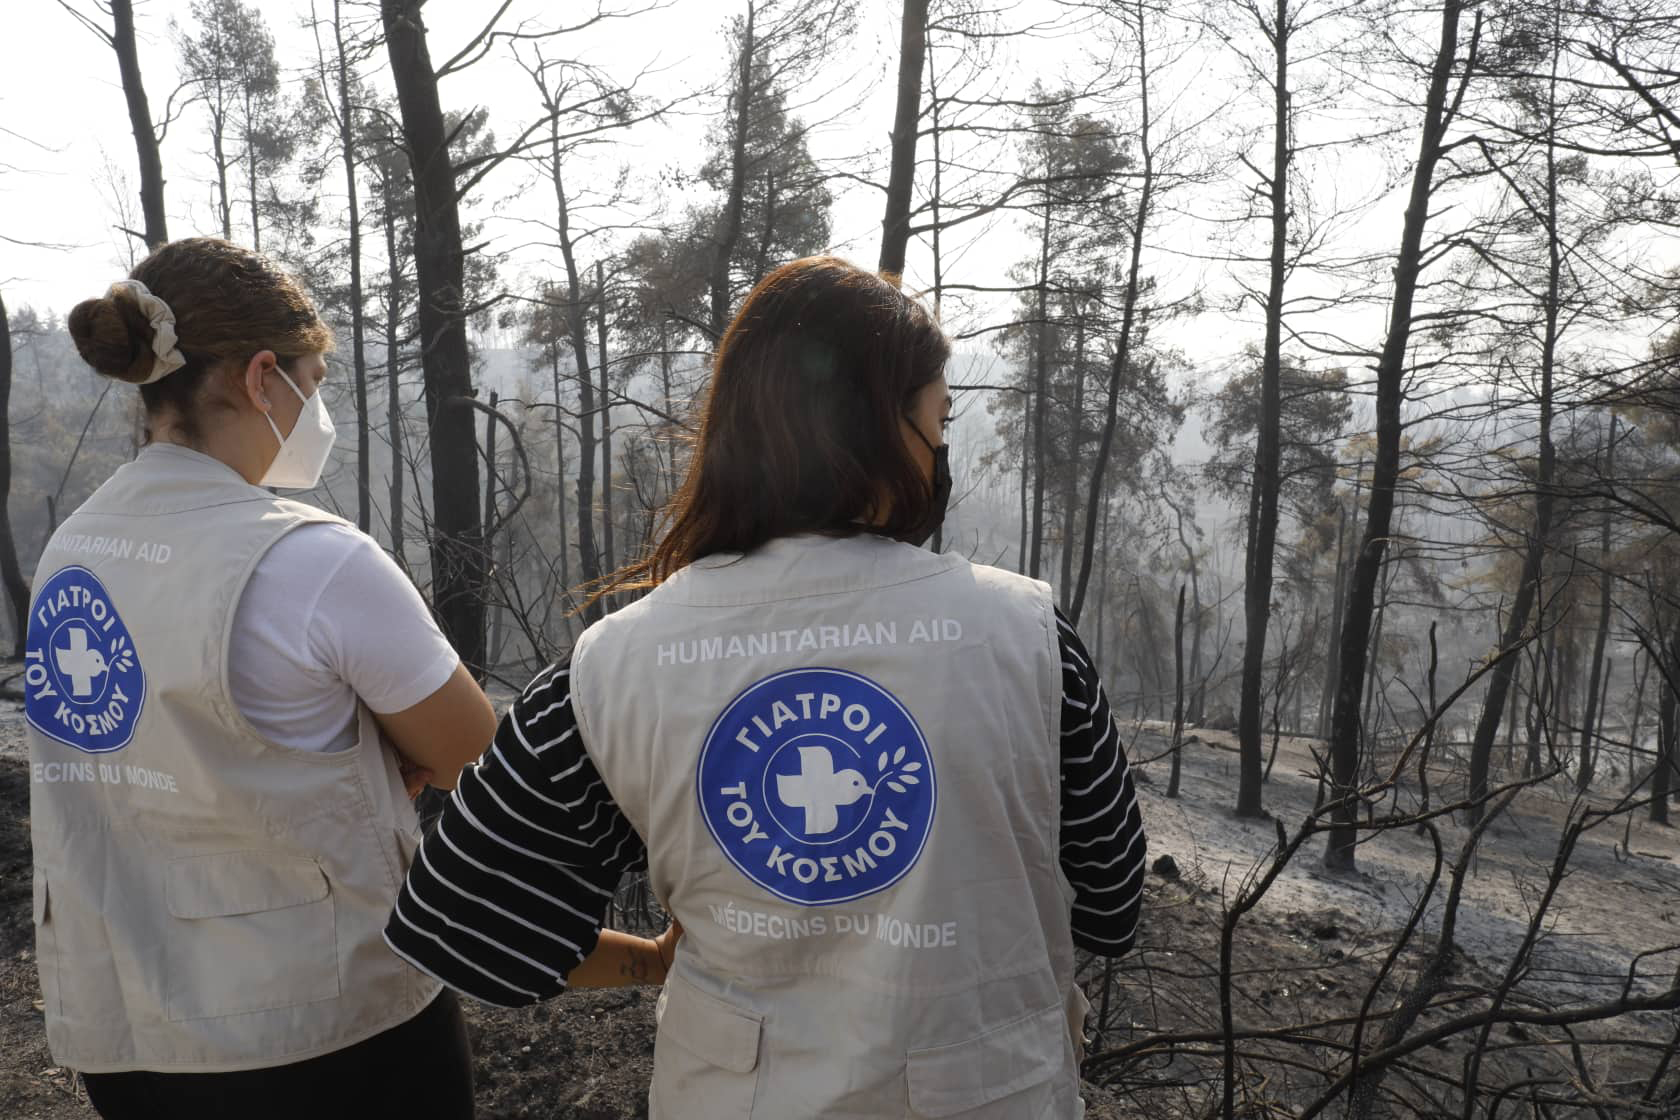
pixel 1102 843
pixel 619 960
pixel 512 886
pixel 445 732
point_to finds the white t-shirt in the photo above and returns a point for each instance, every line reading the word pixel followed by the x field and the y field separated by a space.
pixel 328 617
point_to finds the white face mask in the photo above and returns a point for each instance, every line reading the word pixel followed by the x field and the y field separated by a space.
pixel 303 454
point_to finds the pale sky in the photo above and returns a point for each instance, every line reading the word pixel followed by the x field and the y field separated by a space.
pixel 64 131
pixel 65 121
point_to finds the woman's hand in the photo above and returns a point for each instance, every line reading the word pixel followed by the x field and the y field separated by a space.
pixel 415 777
pixel 444 732
pixel 665 945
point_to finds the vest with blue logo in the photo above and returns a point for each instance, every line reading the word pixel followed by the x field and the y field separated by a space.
pixel 843 755
pixel 204 899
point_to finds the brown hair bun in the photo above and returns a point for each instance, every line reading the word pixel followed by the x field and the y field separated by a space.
pixel 228 303
pixel 114 336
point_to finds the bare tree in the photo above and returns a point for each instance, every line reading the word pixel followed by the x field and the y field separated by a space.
pixel 1277 26
pixel 340 82
pixel 1438 114
pixel 459 564
pixel 1543 208
pixel 11 573
pixel 392 203
pixel 912 52
pixel 229 65
pixel 779 44
pixel 146 140
pixel 1136 18
pixel 1601 634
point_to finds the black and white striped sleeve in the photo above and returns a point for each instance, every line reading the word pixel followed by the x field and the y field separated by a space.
pixel 508 893
pixel 1103 845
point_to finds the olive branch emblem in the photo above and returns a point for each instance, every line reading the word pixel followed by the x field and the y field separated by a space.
pixel 897 776
pixel 122 654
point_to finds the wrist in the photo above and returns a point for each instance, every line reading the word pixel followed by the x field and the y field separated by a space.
pixel 660 967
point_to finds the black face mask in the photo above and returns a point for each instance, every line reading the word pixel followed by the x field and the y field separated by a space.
pixel 935 517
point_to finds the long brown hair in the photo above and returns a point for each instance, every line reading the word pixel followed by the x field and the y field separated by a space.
pixel 229 303
pixel 800 430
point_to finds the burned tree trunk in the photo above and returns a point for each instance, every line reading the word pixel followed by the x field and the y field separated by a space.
pixel 1145 184
pixel 1499 680
pixel 140 121
pixel 560 468
pixel 393 388
pixel 457 548
pixel 577 330
pixel 1178 696
pixel 358 329
pixel 1257 590
pixel 1327 698
pixel 1662 776
pixel 1385 473
pixel 1041 401
pixel 1664 648
pixel 912 52
pixel 729 233
pixel 1584 775
pixel 1070 476
pixel 606 420
pixel 11 573
pixel 497 610
pixel 1540 708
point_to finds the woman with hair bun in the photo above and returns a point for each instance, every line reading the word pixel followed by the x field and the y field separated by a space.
pixel 231 697
pixel 879 787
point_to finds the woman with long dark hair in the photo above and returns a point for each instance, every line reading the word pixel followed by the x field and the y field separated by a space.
pixel 880 788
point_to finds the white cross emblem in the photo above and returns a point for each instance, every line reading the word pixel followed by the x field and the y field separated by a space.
pixel 820 790
pixel 81 664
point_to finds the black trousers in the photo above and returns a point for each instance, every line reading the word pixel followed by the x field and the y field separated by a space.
pixel 421 1068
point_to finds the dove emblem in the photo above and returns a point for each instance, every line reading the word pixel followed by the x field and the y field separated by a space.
pixel 80 664
pixel 820 789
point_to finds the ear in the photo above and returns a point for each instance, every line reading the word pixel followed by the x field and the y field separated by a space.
pixel 262 363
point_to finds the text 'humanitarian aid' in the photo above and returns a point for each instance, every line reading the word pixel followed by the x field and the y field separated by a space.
pixel 818 785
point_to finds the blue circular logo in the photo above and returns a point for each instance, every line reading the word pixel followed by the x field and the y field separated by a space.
pixel 82 679
pixel 818 785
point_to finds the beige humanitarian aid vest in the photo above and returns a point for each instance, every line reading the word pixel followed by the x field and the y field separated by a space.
pixel 204 900
pixel 843 755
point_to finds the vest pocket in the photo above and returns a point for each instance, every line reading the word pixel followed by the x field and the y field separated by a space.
pixel 966 1076
pixel 254 932
pixel 705 1055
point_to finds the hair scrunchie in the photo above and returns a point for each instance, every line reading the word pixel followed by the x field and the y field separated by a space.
pixel 168 357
